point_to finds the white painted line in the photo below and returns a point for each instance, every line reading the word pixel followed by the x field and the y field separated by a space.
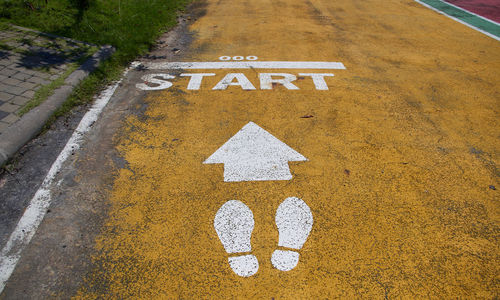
pixel 468 11
pixel 234 224
pixel 36 210
pixel 294 221
pixel 459 21
pixel 254 154
pixel 244 65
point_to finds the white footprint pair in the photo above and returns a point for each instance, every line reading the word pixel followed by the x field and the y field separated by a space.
pixel 234 224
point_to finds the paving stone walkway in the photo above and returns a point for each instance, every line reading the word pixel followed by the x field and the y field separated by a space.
pixel 30 60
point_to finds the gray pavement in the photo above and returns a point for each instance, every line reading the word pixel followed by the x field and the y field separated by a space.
pixel 30 60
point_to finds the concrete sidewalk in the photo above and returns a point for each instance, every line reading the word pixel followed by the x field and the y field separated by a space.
pixel 35 67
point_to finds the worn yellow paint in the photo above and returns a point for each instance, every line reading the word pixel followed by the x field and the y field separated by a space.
pixel 402 150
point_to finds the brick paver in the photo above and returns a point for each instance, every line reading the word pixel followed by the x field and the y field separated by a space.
pixel 3 126
pixel 3 114
pixel 8 107
pixel 20 100
pixel 5 96
pixel 28 61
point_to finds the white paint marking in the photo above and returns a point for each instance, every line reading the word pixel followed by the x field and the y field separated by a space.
pixel 252 57
pixel 241 80
pixel 234 224
pixel 318 79
pixel 267 80
pixel 294 221
pixel 225 58
pixel 245 265
pixel 153 78
pixel 238 57
pixel 254 154
pixel 459 21
pixel 244 65
pixel 35 212
pixel 196 78
pixel 285 260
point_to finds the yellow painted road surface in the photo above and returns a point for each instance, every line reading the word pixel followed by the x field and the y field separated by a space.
pixel 403 153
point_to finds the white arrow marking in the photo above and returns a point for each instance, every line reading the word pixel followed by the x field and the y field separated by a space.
pixel 254 154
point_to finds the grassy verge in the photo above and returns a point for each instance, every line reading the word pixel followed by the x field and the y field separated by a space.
pixel 131 26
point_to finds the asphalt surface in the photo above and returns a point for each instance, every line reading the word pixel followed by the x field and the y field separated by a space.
pixel 377 179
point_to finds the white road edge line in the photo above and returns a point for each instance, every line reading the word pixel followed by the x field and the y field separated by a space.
pixel 37 208
pixel 459 21
pixel 243 65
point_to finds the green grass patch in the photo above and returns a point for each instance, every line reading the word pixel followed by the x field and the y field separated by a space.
pixel 131 26
pixel 25 41
pixel 6 47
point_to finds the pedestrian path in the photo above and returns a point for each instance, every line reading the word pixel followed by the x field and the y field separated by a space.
pixel 32 64
pixel 318 149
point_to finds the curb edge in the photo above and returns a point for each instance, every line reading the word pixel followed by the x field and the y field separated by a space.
pixel 30 124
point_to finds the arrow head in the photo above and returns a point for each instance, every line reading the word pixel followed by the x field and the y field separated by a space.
pixel 254 154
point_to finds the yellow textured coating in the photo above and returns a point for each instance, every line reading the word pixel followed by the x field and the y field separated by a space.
pixel 402 150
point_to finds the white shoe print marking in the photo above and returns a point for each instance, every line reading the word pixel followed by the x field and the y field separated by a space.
pixel 294 220
pixel 234 225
